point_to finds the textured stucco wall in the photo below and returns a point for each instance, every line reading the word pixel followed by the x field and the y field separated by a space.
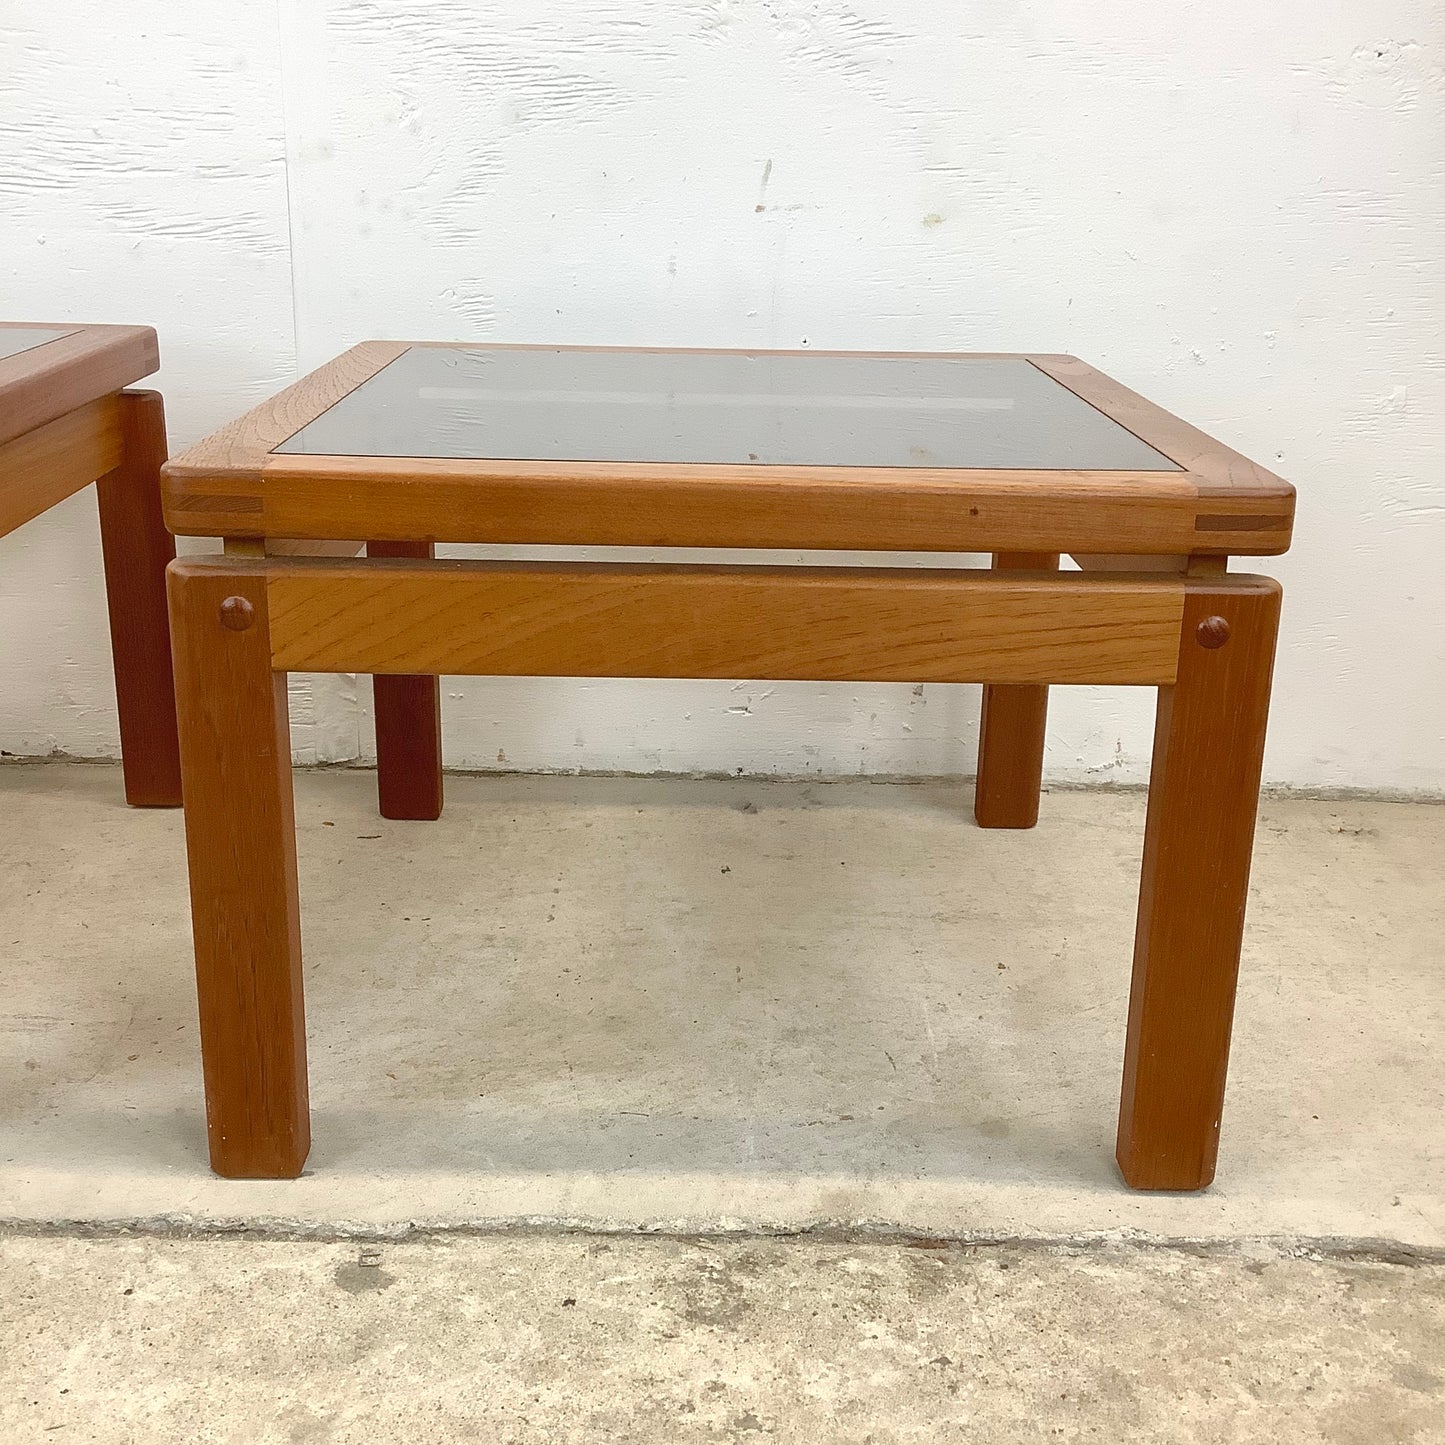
pixel 1234 208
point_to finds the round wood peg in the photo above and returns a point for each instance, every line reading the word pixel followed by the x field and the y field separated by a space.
pixel 237 614
pixel 1212 632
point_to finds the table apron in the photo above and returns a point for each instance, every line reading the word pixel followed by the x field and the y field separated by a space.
pixel 42 467
pixel 816 624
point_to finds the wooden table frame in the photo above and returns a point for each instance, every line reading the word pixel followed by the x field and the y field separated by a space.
pixel 234 484
pixel 1152 607
pixel 240 625
pixel 65 422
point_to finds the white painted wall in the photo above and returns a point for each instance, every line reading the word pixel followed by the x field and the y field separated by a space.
pixel 1235 208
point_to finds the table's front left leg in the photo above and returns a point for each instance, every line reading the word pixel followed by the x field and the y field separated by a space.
pixel 241 847
pixel 408 727
pixel 136 548
pixel 1203 794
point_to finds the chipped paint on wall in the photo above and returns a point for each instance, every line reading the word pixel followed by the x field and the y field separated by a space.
pixel 1234 210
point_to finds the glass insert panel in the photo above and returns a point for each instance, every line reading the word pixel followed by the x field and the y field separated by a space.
pixel 721 407
pixel 15 339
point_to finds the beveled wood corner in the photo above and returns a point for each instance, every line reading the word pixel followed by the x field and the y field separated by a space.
pixel 50 381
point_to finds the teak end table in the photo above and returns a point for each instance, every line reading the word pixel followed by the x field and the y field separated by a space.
pixel 66 421
pixel 1025 457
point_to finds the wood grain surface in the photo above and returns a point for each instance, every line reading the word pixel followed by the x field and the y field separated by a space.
pixel 815 623
pixel 57 459
pixel 1203 794
pixel 241 849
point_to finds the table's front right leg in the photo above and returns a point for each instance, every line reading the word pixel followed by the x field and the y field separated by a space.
pixel 241 844
pixel 1203 793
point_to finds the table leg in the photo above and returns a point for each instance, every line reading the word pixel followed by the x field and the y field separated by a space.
pixel 408 727
pixel 241 845
pixel 1203 794
pixel 1011 732
pixel 136 548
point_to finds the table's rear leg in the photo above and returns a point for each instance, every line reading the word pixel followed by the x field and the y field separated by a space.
pixel 241 844
pixel 408 727
pixel 1011 732
pixel 136 548
pixel 1203 794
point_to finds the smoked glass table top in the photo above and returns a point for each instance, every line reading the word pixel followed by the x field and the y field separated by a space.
pixel 15 339
pixel 723 408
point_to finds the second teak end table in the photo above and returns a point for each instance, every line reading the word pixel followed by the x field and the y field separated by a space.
pixel 1025 457
pixel 66 420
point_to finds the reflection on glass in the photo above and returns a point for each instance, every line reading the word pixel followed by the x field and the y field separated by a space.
pixel 721 407
pixel 15 339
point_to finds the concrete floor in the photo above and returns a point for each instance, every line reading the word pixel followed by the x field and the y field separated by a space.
pixel 696 1005
pixel 637 1004
pixel 563 1338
